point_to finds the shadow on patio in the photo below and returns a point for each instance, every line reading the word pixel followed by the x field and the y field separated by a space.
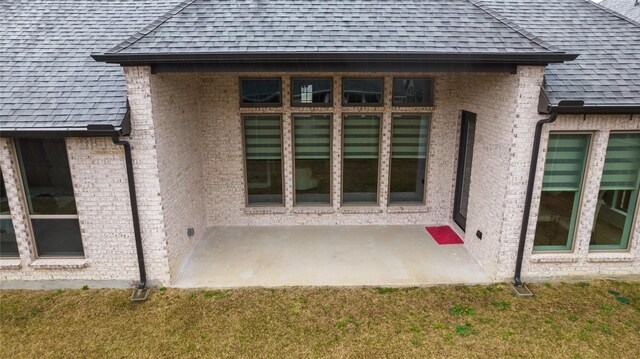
pixel 325 256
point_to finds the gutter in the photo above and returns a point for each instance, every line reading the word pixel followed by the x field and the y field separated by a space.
pixel 518 286
pixel 596 110
pixel 570 107
pixel 335 57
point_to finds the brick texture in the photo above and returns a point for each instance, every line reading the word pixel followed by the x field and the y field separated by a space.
pixel 104 212
pixel 579 262
pixel 189 169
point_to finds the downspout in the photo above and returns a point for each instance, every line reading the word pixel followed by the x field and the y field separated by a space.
pixel 140 294
pixel 527 202
pixel 134 207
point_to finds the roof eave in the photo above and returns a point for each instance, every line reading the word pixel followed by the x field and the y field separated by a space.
pixel 609 109
pixel 334 57
pixel 55 132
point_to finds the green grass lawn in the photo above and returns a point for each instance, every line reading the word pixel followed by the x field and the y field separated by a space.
pixel 562 320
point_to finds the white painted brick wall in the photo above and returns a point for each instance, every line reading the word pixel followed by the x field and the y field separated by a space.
pixel 500 101
pixel 224 173
pixel 579 262
pixel 176 119
pixel 102 199
pixel 187 153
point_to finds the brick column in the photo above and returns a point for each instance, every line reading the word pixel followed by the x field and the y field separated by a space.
pixel 145 162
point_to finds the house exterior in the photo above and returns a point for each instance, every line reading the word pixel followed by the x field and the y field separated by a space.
pixel 130 127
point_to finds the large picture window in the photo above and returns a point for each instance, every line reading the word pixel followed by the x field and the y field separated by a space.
pixel 408 158
pixel 561 191
pixel 49 192
pixel 8 244
pixel 312 169
pixel 618 195
pixel 263 156
pixel 361 149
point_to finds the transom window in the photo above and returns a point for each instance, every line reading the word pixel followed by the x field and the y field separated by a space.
pixel 260 92
pixel 412 92
pixel 311 92
pixel 49 192
pixel 362 92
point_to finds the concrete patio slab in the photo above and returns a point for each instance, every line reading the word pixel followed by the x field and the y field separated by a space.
pixel 274 256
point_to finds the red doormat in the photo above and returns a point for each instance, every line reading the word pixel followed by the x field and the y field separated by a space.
pixel 444 235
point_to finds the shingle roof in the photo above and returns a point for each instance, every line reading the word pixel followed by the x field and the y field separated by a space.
pixel 50 81
pixel 48 78
pixel 607 72
pixel 628 8
pixel 330 26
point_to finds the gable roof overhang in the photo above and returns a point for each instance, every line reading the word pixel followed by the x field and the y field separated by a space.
pixel 336 61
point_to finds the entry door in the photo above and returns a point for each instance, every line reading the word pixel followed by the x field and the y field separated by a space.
pixel 463 178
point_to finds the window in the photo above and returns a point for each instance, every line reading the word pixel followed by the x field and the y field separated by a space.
pixel 312 169
pixel 49 192
pixel 561 191
pixel 362 92
pixel 260 92
pixel 408 159
pixel 360 159
pixel 412 92
pixel 618 195
pixel 311 92
pixel 8 244
pixel 263 155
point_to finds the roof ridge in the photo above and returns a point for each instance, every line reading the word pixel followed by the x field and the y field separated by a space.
pixel 530 36
pixel 614 13
pixel 149 28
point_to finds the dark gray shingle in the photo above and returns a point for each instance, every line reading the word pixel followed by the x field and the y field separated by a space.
pixel 628 8
pixel 607 72
pixel 48 78
pixel 283 26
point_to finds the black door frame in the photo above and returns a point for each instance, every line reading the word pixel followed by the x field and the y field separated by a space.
pixel 466 118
